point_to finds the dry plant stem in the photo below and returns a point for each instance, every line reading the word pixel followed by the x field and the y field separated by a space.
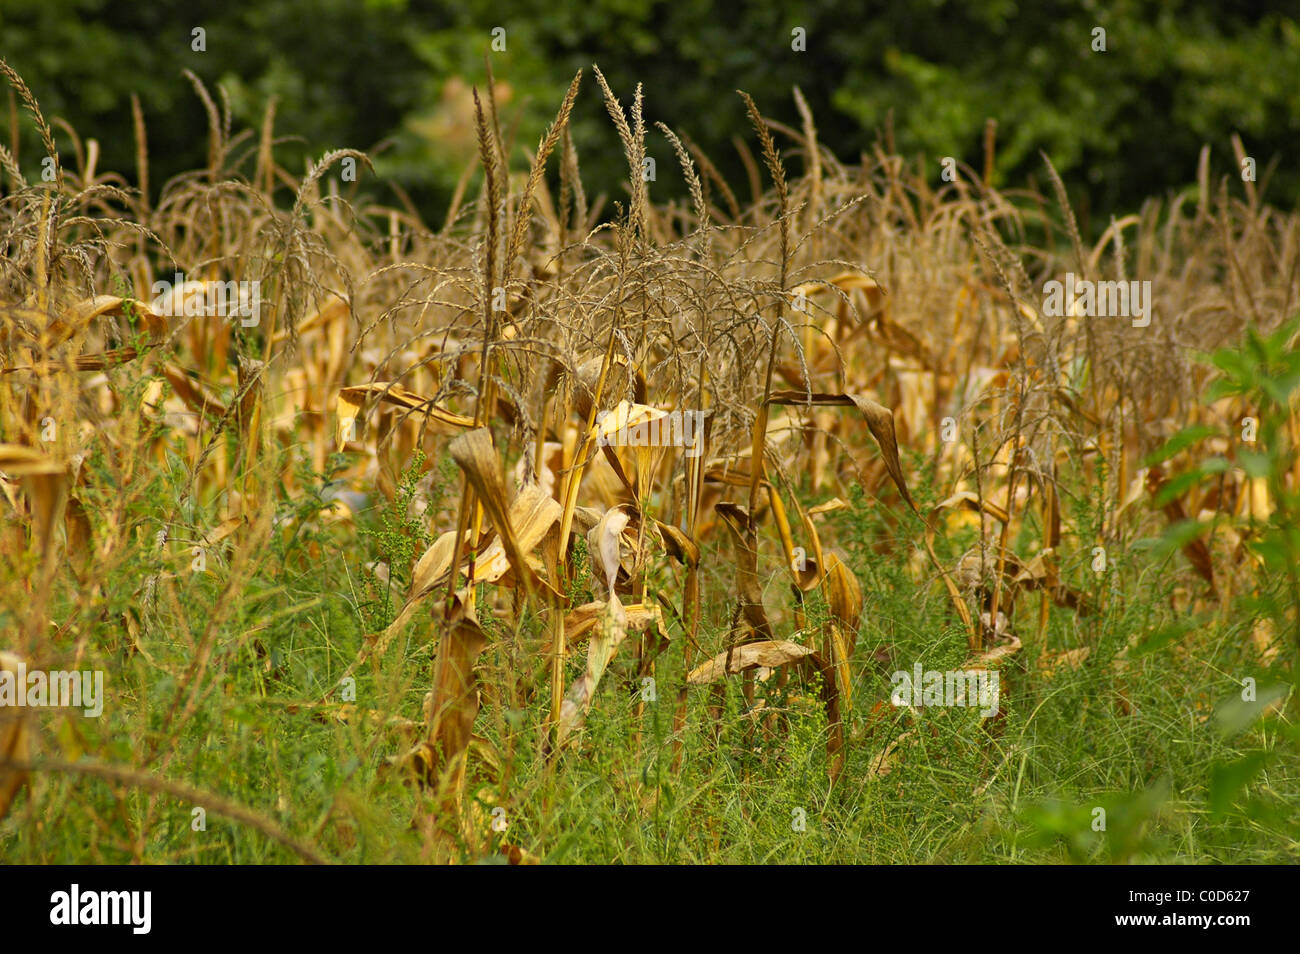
pixel 572 481
pixel 691 616
pixel 485 401
pixel 758 450
pixel 787 546
pixel 574 477
pixel 990 139
pixel 1045 601
pixel 1003 538
pixel 760 426
pixel 691 589
pixel 1002 545
pixel 486 386
pixel 549 142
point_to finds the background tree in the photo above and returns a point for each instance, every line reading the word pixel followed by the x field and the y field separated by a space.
pixel 392 76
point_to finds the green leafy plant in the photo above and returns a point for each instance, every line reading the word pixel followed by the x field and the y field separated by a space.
pixel 398 538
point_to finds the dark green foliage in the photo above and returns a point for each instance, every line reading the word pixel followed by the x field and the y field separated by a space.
pixel 1120 125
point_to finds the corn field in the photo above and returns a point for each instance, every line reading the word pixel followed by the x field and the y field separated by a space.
pixel 627 454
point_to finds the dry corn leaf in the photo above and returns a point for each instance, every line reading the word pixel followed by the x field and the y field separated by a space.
pixel 450 709
pixel 84 312
pixel 581 620
pixel 632 418
pixel 18 460
pixel 334 309
pixel 475 454
pixel 605 543
pixel 769 653
pixel 884 763
pixel 76 524
pixel 532 514
pixel 620 379
pixel 843 597
pixel 748 590
pixel 1041 573
pixel 350 400
pixel 432 566
pixel 900 341
pixel 610 632
pixel 848 282
pixel 48 494
pixel 678 544
pixel 84 362
pixel 196 395
pixel 830 506
pixel 1049 663
pixel 196 298
pixel 995 656
pixel 966 500
pixel 880 421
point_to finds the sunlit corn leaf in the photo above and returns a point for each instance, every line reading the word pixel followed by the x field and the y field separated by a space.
pixel 605 543
pixel 582 620
pixel 350 401
pixel 768 653
pixel 532 514
pixel 196 395
pixel 475 454
pixel 843 597
pixel 830 506
pixel 610 631
pixel 79 316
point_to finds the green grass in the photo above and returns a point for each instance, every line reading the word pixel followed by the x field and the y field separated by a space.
pixel 1019 788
